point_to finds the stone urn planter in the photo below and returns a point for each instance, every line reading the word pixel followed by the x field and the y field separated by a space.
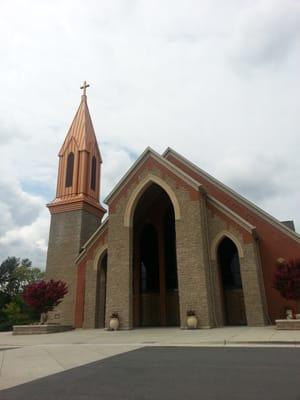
pixel 114 322
pixel 191 320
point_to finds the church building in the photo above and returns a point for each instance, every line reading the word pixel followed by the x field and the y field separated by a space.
pixel 174 240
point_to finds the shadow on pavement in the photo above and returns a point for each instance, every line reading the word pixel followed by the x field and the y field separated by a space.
pixel 175 373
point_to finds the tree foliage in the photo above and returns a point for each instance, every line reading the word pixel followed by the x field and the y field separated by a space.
pixel 15 274
pixel 43 296
pixel 287 279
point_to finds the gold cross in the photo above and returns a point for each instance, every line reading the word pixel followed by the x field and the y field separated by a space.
pixel 84 86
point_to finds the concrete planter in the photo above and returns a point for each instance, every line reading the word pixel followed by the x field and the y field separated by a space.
pixel 114 324
pixel 192 322
pixel 40 329
pixel 288 324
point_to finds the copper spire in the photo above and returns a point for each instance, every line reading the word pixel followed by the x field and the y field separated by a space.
pixel 81 130
pixel 80 146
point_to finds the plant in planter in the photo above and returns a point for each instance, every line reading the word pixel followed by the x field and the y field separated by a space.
pixel 191 320
pixel 114 321
pixel 43 296
pixel 287 282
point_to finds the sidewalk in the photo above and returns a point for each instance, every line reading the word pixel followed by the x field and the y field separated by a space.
pixel 25 358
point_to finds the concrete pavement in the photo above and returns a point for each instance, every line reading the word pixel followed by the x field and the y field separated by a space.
pixel 171 373
pixel 25 358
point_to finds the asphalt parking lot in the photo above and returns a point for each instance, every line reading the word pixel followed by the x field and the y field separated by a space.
pixel 175 373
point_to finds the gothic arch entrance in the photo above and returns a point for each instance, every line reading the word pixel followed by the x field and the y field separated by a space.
pixel 231 283
pixel 155 283
pixel 101 291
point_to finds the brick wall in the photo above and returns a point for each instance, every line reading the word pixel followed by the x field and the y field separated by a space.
pixel 68 232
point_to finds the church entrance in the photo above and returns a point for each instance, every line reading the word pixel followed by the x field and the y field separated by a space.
pixel 155 283
pixel 233 297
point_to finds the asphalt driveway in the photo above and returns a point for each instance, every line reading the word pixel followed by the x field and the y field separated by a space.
pixel 175 373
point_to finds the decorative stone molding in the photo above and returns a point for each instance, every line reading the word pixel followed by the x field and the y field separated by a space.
pixel 217 240
pixel 140 189
pixel 99 256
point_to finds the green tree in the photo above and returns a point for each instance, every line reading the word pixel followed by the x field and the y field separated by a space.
pixel 15 274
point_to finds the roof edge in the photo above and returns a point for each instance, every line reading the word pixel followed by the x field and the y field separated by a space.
pixel 91 240
pixel 266 216
pixel 160 159
pixel 227 211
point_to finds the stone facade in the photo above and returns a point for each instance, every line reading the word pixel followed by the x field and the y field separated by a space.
pixel 197 227
pixel 68 232
pixel 206 215
pixel 191 248
pixel 251 274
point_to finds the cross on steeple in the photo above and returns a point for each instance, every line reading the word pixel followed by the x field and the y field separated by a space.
pixel 84 86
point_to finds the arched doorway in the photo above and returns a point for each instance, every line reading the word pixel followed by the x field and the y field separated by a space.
pixel 232 289
pixel 101 291
pixel 155 283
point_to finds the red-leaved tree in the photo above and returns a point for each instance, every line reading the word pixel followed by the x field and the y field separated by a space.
pixel 43 295
pixel 287 279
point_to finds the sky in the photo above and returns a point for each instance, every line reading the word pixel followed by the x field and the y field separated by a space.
pixel 216 80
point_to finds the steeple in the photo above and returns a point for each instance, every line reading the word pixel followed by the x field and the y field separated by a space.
pixel 79 171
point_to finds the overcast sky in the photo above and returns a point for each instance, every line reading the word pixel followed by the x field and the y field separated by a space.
pixel 218 81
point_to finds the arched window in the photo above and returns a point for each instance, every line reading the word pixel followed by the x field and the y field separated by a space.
pixel 232 288
pixel 93 173
pixel 70 168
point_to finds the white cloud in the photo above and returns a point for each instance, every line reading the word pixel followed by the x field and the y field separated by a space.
pixel 24 223
pixel 218 81
pixel 266 32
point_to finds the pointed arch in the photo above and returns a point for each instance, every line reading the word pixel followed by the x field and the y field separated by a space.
pixel 140 189
pixel 217 240
pixel 99 256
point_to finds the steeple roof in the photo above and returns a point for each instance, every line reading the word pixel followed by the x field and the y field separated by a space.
pixel 82 130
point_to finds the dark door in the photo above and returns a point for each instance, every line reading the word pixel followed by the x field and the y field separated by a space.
pixel 149 278
pixel 233 297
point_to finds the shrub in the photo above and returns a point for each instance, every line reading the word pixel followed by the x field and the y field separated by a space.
pixel 43 296
pixel 287 279
pixel 16 312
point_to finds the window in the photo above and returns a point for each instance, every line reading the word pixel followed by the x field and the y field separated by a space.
pixel 93 174
pixel 70 168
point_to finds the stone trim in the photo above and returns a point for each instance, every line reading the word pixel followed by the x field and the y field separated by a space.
pixel 99 256
pixel 231 214
pixel 150 152
pixel 221 235
pixel 91 240
pixel 139 190
pixel 263 214
pixel 76 203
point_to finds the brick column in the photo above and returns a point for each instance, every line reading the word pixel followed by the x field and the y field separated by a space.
pixel 193 263
pixel 119 271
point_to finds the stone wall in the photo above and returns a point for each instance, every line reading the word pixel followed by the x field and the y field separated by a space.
pixel 68 232
pixel 251 274
pixel 192 251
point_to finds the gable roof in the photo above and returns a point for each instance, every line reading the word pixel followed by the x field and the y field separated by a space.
pixel 163 161
pixel 242 200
